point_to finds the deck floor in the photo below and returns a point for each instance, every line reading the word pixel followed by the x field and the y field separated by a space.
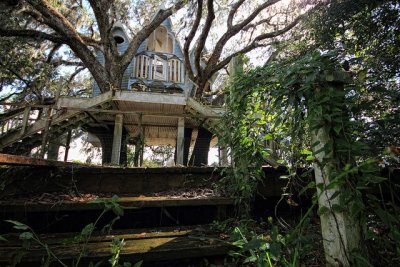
pixel 140 244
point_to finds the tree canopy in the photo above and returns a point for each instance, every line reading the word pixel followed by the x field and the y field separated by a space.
pixel 210 28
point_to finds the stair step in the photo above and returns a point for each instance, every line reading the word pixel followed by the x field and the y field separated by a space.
pixel 159 244
pixel 15 205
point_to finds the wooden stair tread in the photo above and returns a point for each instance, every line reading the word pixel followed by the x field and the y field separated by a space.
pixel 13 205
pixel 163 244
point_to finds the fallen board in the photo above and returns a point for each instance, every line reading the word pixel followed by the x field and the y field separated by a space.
pixel 141 244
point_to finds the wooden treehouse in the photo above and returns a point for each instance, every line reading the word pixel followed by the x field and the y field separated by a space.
pixel 166 207
pixel 153 106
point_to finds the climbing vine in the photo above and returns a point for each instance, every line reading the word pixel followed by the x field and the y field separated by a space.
pixel 288 102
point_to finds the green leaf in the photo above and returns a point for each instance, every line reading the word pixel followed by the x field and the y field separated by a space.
pixel 335 195
pixel 337 128
pixel 310 158
pixel 18 225
pixel 3 239
pixel 305 152
pixel 254 244
pixel 338 208
pixel 268 136
pixel 118 210
pixel 275 249
pixel 138 264
pixel 26 236
pixel 252 258
pixel 374 179
pixel 323 210
pixel 87 230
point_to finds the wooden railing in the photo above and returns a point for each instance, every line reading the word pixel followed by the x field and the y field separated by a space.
pixel 18 119
pixel 157 68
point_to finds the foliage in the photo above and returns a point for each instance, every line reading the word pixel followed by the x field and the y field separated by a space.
pixel 28 236
pixel 244 128
pixel 367 36
pixel 267 243
pixel 298 97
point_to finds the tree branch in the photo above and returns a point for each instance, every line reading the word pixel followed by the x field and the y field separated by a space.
pixel 203 37
pixel 55 20
pixel 233 11
pixel 32 34
pixel 190 37
pixel 231 32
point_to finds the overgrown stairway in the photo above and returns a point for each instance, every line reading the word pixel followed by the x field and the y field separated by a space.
pixel 162 215
pixel 23 137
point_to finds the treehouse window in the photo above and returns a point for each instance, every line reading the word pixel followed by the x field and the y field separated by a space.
pixel 160 41
pixel 158 68
pixel 119 39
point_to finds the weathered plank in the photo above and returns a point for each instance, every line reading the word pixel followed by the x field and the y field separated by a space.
pixel 13 239
pixel 167 244
pixel 7 159
pixel 129 202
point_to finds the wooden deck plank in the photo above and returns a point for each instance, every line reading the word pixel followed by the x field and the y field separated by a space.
pixel 129 202
pixel 166 245
pixel 127 234
pixel 7 159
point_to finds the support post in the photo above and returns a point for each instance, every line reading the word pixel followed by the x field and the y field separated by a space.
pixel 142 131
pixel 50 113
pixel 341 230
pixel 25 119
pixel 223 156
pixel 46 132
pixel 117 139
pixel 180 140
pixel 67 145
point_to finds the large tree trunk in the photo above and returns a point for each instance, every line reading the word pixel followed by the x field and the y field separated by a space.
pixel 186 145
pixel 106 139
pixel 201 148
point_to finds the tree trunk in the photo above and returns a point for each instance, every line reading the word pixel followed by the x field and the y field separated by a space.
pixel 186 146
pixel 106 139
pixel 201 147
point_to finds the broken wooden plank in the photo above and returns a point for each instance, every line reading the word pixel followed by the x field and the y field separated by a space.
pixel 13 239
pixel 166 245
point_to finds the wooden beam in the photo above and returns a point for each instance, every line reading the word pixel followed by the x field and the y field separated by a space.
pixel 6 159
pixel 145 113
pixel 150 97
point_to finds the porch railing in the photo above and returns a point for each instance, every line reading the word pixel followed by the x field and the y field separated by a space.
pixel 157 68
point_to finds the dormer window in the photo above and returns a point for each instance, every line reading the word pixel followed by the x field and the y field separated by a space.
pixel 161 41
